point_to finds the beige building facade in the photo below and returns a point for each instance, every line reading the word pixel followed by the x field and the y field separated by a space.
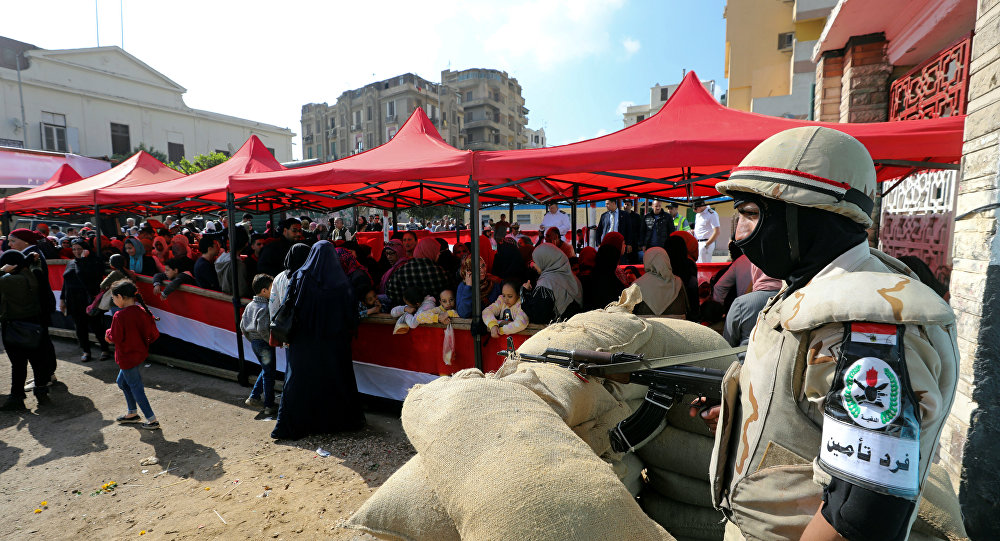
pixel 366 117
pixel 495 115
pixel 658 95
pixel 103 101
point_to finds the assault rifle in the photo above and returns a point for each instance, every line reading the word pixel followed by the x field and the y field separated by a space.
pixel 667 378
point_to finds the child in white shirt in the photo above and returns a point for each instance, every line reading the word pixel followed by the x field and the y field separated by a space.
pixel 505 315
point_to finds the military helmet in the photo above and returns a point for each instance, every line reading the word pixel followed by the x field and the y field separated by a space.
pixel 811 167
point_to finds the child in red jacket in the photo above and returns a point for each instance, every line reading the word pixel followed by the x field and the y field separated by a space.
pixel 133 328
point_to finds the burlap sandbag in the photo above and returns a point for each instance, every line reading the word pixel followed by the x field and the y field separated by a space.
pixel 405 508
pixel 683 520
pixel 939 515
pixel 678 451
pixel 680 487
pixel 630 472
pixel 506 466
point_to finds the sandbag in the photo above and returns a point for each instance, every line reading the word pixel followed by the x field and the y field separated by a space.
pixel 680 487
pixel 585 406
pixel 405 508
pixel 688 522
pixel 939 515
pixel 630 473
pixel 678 451
pixel 519 472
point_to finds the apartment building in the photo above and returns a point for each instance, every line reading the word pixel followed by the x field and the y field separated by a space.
pixel 536 138
pixel 366 117
pixel 769 50
pixel 495 115
pixel 658 95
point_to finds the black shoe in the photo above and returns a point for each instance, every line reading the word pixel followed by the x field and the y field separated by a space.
pixel 155 425
pixel 43 399
pixel 106 355
pixel 13 404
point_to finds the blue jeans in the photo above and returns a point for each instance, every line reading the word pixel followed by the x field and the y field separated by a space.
pixel 265 380
pixel 130 382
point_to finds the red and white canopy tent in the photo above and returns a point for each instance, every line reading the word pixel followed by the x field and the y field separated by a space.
pixel 692 143
pixel 195 192
pixel 416 167
pixel 63 176
pixel 82 196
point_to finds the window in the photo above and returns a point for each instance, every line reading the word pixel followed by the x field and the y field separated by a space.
pixel 786 40
pixel 175 152
pixel 333 150
pixel 371 140
pixel 307 127
pixel 120 143
pixel 309 152
pixel 390 109
pixel 369 112
pixel 333 122
pixel 664 93
pixel 357 119
pixel 640 118
pixel 271 150
pixel 523 219
pixel 468 96
pixel 319 127
pixel 223 152
pixel 54 132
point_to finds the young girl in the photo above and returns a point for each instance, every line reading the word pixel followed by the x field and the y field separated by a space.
pixel 429 313
pixel 505 316
pixel 132 330
pixel 407 312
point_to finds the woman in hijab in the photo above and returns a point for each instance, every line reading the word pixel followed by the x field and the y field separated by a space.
pixel 421 272
pixel 294 259
pixel 490 288
pixel 662 292
pixel 486 250
pixel 587 261
pixel 508 265
pixel 603 286
pixel 138 261
pixel 393 255
pixel 81 283
pixel 557 293
pixel 447 261
pixel 685 269
pixel 66 248
pixel 320 393
pixel 161 249
pixel 356 273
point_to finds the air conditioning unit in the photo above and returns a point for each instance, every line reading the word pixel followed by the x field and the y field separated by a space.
pixel 786 40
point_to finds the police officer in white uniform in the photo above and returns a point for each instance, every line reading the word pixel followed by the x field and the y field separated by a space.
pixel 827 429
pixel 555 218
pixel 706 230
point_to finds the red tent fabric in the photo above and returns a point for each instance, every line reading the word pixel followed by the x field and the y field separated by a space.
pixel 694 135
pixel 64 175
pixel 206 187
pixel 415 167
pixel 80 196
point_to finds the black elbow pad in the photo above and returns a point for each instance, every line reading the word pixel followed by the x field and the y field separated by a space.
pixel 860 514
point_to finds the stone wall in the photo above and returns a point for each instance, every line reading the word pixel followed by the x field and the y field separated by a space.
pixel 973 430
pixel 829 72
pixel 865 82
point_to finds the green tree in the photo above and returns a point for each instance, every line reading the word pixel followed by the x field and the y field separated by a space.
pixel 432 212
pixel 200 163
pixel 119 158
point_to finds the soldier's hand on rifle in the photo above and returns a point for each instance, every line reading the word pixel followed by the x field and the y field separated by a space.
pixel 710 415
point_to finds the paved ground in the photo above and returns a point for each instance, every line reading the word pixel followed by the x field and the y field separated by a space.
pixel 64 452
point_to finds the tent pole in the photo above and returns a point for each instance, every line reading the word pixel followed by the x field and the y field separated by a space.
pixel 355 213
pixel 6 223
pixel 234 279
pixel 586 236
pixel 395 215
pixel 97 229
pixel 576 194
pixel 477 308
pixel 270 214
pixel 510 216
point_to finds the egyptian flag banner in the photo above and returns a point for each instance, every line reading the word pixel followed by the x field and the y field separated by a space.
pixel 873 333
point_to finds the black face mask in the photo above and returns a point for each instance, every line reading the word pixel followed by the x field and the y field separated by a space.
pixel 794 243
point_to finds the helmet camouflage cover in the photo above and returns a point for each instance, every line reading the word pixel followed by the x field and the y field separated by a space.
pixel 811 167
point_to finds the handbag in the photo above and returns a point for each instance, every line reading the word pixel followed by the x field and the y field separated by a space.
pixel 22 334
pixel 283 322
pixel 98 307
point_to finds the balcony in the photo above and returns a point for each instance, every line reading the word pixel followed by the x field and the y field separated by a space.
pixel 389 119
pixel 355 127
pixel 331 133
pixel 482 123
pixel 307 139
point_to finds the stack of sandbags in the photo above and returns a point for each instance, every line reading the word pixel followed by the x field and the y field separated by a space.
pixel 516 454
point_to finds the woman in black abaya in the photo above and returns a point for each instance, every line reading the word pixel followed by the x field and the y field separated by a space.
pixel 320 393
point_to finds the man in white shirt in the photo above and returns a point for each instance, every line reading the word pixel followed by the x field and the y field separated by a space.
pixel 554 218
pixel 706 230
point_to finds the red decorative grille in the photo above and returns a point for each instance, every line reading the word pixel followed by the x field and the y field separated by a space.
pixel 927 236
pixel 935 88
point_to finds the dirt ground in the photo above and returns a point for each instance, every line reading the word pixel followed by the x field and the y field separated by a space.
pixel 219 474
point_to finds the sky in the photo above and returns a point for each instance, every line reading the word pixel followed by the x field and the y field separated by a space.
pixel 579 62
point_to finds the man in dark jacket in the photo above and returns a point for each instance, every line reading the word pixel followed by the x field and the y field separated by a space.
pixel 657 226
pixel 633 236
pixel 272 256
pixel 25 240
